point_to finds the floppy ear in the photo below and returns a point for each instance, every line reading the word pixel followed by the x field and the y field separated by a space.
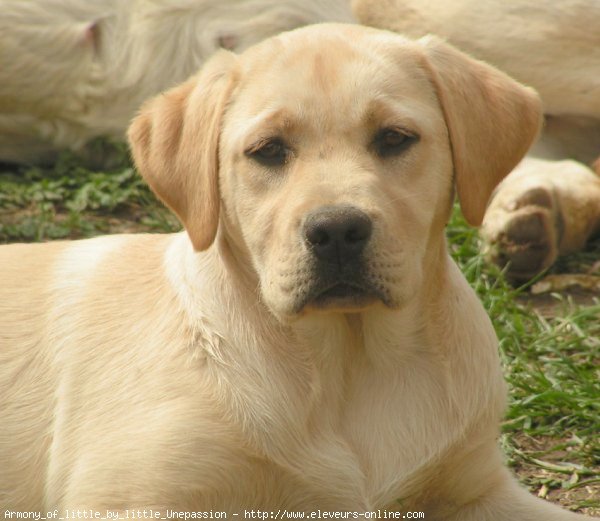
pixel 174 140
pixel 492 121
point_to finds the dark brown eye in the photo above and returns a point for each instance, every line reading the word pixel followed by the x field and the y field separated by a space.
pixel 271 152
pixel 391 141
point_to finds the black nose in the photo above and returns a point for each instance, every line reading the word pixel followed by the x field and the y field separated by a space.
pixel 337 234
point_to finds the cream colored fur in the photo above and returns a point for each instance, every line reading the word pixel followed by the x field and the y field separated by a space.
pixel 186 371
pixel 551 46
pixel 555 48
pixel 543 209
pixel 72 70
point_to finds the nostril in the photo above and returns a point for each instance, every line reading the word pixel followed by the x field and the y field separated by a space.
pixel 318 236
pixel 357 234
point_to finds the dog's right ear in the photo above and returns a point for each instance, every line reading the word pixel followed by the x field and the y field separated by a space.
pixel 174 141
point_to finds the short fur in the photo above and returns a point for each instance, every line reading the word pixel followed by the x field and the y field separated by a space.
pixel 182 371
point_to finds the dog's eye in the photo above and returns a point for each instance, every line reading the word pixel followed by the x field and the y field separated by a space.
pixel 272 152
pixel 392 141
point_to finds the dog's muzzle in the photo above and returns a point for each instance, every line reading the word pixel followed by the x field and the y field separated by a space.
pixel 337 236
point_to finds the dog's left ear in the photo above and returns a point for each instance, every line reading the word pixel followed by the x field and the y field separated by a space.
pixel 492 121
pixel 174 141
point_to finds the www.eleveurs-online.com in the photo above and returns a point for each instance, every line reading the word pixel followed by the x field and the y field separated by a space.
pixel 113 515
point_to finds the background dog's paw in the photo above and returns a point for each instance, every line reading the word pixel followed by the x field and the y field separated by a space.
pixel 543 209
pixel 524 234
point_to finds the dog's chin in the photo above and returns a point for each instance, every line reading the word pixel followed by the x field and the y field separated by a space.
pixel 342 298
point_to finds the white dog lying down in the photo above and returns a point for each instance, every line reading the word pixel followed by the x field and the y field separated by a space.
pixel 544 209
pixel 72 70
pixel 307 343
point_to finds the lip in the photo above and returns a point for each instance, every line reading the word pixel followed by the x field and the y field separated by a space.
pixel 343 296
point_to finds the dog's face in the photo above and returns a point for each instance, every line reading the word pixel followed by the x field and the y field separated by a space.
pixel 332 176
pixel 331 154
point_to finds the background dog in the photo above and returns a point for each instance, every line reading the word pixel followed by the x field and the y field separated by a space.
pixel 72 70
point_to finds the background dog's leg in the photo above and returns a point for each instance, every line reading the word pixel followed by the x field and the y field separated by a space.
pixel 543 209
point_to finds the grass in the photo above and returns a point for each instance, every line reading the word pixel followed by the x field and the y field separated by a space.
pixel 551 434
pixel 72 200
pixel 551 360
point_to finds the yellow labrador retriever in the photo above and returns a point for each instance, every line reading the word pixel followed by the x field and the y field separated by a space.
pixel 307 344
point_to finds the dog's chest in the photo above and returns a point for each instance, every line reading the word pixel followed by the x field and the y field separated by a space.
pixel 393 424
pixel 341 431
pixel 369 447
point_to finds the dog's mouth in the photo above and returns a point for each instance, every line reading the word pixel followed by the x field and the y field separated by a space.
pixel 349 289
pixel 343 296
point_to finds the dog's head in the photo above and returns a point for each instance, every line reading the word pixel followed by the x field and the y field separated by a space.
pixel 328 157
